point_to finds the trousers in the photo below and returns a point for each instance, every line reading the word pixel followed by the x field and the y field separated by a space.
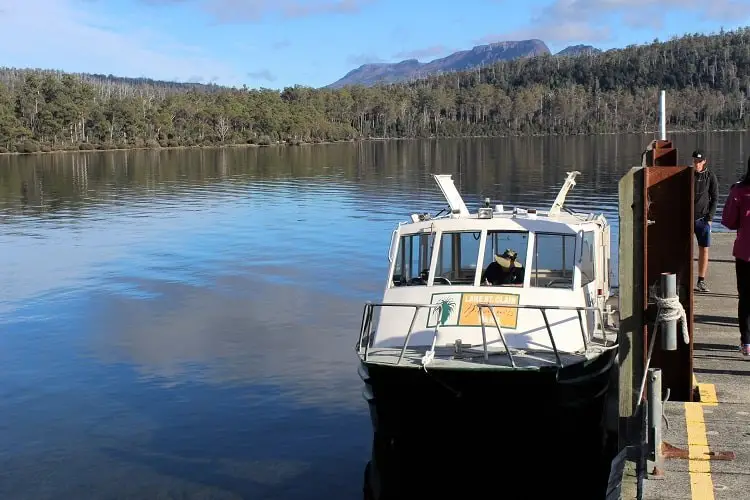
pixel 742 268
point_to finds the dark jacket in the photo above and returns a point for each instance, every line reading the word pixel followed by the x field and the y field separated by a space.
pixel 706 194
pixel 497 275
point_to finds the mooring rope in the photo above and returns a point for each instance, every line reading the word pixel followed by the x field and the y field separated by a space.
pixel 668 309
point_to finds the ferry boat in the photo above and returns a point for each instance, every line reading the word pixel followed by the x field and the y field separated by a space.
pixel 493 331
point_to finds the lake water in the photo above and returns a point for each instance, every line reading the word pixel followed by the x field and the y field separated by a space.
pixel 181 324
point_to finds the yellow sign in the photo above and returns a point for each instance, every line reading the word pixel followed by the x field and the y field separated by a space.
pixel 506 316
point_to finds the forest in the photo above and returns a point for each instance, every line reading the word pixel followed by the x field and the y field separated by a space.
pixel 706 76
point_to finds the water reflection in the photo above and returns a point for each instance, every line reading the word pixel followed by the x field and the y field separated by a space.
pixel 182 322
pixel 238 330
pixel 215 392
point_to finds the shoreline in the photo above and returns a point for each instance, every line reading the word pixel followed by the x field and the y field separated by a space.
pixel 367 139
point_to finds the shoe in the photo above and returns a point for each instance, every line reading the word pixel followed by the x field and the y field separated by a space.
pixel 702 286
pixel 745 349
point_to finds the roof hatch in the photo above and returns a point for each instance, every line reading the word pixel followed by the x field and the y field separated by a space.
pixel 452 196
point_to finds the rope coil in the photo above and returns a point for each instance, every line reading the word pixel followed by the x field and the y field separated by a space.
pixel 670 309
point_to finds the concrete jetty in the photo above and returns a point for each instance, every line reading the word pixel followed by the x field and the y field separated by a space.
pixel 707 444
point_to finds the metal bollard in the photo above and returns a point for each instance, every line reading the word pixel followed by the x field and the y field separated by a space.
pixel 668 329
pixel 655 412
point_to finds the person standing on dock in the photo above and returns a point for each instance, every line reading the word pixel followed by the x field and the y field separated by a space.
pixel 736 216
pixel 706 199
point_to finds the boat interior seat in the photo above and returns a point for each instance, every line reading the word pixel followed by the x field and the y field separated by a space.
pixel 545 278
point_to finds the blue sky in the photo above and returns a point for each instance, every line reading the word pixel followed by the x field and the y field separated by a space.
pixel 277 43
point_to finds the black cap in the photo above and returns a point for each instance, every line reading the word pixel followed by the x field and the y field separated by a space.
pixel 698 154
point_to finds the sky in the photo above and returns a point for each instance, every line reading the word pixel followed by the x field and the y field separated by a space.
pixel 280 43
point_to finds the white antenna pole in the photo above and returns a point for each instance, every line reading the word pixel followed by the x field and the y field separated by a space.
pixel 663 115
pixel 570 181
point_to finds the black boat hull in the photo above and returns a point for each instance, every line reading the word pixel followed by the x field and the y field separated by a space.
pixel 504 423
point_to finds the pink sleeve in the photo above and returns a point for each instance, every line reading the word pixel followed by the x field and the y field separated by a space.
pixel 730 217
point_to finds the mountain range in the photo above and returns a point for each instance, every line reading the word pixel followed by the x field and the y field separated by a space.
pixel 481 55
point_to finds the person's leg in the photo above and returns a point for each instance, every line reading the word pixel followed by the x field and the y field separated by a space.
pixel 703 235
pixel 702 262
pixel 742 269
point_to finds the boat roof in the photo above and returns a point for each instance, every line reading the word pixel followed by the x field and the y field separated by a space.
pixel 497 218
pixel 507 221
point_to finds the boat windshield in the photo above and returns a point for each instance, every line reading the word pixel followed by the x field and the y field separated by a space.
pixel 506 259
pixel 413 259
pixel 554 260
pixel 502 262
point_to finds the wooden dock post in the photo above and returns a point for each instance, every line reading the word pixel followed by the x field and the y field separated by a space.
pixel 631 278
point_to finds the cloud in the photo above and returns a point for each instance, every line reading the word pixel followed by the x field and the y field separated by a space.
pixel 563 31
pixel 262 75
pixel 360 59
pixel 237 11
pixel 281 44
pixel 74 39
pixel 590 10
pixel 427 52
pixel 568 21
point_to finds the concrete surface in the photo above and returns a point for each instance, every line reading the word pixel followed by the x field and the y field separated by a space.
pixel 721 421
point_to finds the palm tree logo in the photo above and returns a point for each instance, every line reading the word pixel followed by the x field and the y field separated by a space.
pixel 447 306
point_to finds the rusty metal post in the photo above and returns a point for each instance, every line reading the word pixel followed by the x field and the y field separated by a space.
pixel 668 329
pixel 668 248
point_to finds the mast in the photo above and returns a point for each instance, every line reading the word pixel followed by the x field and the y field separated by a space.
pixel 570 181
pixel 663 115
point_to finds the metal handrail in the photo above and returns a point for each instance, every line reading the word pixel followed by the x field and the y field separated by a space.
pixel 369 307
pixel 367 319
pixel 551 338
pixel 502 337
pixel 561 308
pixel 543 310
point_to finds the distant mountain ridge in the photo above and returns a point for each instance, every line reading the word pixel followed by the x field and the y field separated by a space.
pixel 579 50
pixel 481 55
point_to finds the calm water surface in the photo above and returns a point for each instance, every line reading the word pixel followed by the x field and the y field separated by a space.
pixel 180 324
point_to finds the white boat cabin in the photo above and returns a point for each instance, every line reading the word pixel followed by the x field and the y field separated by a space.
pixel 470 262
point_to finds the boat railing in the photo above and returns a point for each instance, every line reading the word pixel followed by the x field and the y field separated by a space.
pixel 543 309
pixel 365 329
pixel 365 332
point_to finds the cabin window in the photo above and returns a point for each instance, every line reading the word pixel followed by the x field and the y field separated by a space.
pixel 587 261
pixel 457 258
pixel 554 260
pixel 504 258
pixel 413 259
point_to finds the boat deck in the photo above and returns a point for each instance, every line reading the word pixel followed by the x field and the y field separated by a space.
pixel 473 358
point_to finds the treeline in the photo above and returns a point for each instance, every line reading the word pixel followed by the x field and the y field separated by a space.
pixel 707 78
